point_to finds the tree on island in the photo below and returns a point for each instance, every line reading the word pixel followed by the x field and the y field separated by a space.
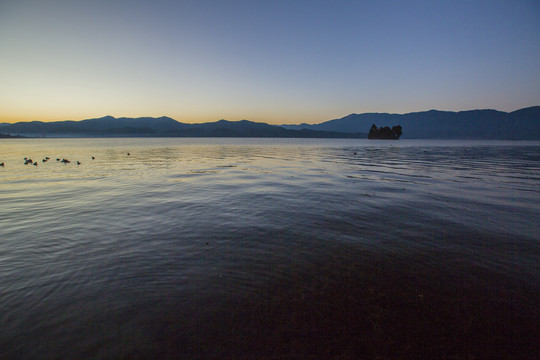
pixel 385 133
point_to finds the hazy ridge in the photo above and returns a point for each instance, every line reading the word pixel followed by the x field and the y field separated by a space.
pixel 523 124
pixel 163 127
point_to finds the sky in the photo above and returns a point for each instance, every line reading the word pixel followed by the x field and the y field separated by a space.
pixel 273 61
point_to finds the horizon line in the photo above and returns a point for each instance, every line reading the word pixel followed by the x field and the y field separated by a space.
pixel 284 123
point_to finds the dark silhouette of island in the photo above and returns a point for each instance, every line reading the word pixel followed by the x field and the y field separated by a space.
pixel 9 136
pixel 385 133
pixel 523 124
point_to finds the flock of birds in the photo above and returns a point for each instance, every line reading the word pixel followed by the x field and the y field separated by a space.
pixel 28 161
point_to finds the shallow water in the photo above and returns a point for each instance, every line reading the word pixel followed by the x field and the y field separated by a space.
pixel 269 248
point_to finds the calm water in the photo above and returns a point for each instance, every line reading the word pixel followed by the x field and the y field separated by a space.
pixel 269 248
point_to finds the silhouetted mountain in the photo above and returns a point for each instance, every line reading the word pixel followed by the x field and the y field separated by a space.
pixel 475 124
pixel 165 127
pixel 109 123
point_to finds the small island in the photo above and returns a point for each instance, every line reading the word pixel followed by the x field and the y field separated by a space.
pixel 385 133
pixel 9 136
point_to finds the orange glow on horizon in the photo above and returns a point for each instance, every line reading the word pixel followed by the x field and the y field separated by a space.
pixel 189 119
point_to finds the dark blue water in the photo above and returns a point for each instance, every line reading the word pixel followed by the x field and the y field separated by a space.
pixel 269 248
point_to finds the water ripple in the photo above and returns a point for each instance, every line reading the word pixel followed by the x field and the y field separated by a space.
pixel 92 254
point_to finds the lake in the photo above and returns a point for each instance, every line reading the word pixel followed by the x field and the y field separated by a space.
pixel 229 248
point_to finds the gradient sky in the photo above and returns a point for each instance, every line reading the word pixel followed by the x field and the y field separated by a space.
pixel 271 61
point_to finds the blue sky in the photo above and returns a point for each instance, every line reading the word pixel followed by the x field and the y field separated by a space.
pixel 270 61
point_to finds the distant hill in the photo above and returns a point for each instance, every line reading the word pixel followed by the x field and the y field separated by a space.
pixel 163 127
pixel 522 124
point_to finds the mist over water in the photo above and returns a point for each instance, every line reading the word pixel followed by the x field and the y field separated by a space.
pixel 269 248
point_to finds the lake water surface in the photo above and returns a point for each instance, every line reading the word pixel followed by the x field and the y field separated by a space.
pixel 269 249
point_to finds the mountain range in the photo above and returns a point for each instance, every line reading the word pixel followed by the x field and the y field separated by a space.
pixel 523 124
pixel 163 127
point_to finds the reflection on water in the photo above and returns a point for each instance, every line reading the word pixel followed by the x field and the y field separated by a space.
pixel 269 248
